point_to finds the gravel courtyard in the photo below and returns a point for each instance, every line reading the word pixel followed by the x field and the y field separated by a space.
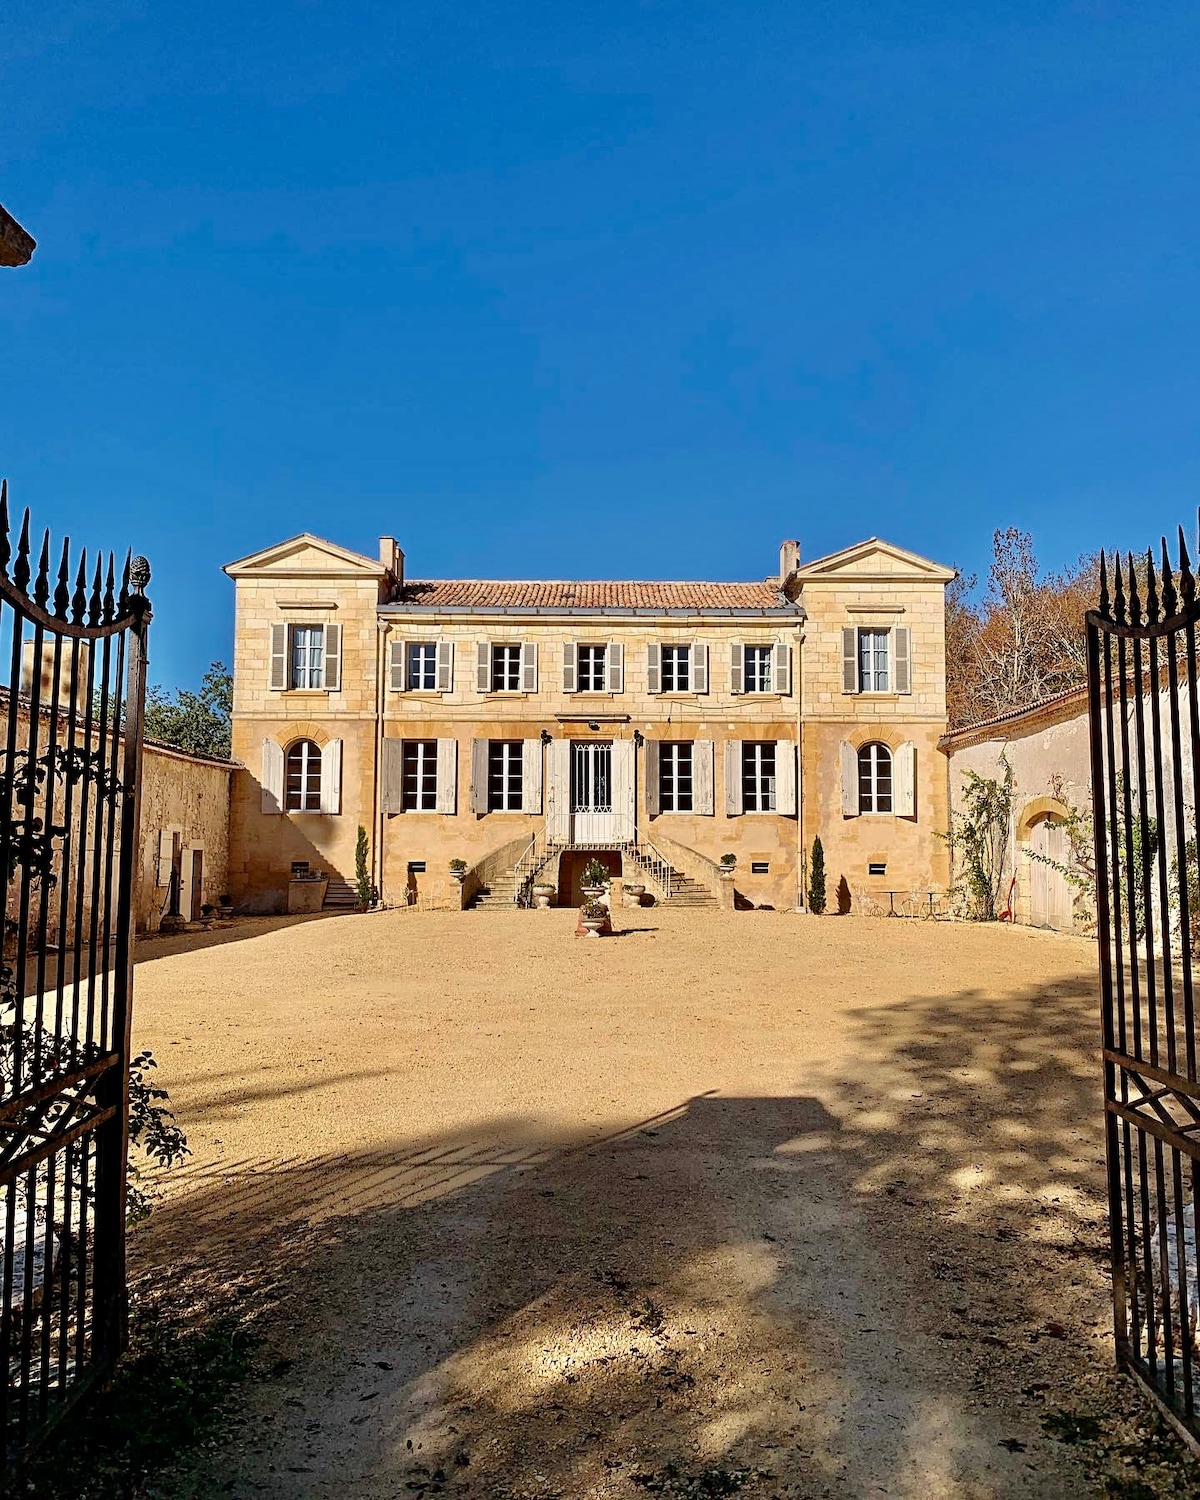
pixel 729 1203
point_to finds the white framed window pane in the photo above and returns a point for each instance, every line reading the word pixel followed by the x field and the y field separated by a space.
pixel 422 666
pixel 505 766
pixel 419 766
pixel 675 776
pixel 758 776
pixel 308 650
pixel 873 665
pixel 302 785
pixel 676 669
pixel 506 669
pixel 591 668
pixel 757 669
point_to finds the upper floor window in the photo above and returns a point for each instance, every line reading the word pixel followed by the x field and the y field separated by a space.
pixel 874 779
pixel 506 669
pixel 302 777
pixel 758 775
pixel 306 658
pixel 422 666
pixel 873 661
pixel 419 772
pixel 675 776
pixel 876 659
pixel 758 668
pixel 676 669
pixel 505 776
pixel 592 667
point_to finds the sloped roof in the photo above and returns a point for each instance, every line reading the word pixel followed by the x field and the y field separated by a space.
pixel 477 593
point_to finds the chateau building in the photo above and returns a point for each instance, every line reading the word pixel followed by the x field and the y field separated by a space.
pixel 525 727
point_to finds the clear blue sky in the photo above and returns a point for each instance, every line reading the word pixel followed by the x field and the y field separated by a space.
pixel 597 289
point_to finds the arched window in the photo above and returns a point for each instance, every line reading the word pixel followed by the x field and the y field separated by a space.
pixel 874 779
pixel 302 791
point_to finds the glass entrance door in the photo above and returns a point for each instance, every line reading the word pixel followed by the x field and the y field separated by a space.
pixel 591 792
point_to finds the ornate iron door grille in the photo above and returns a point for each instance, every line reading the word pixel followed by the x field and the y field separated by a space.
pixel 72 691
pixel 1145 754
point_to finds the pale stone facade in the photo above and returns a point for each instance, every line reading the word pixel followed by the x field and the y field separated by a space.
pixel 465 720
pixel 185 828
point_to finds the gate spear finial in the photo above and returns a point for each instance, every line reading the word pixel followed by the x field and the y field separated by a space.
pixel 1170 599
pixel 1103 604
pixel 1135 603
pixel 1118 591
pixel 1187 584
pixel 1151 589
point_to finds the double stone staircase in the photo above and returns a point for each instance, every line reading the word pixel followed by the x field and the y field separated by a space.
pixel 661 879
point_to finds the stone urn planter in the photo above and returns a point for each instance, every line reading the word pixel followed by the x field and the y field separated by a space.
pixel 543 895
pixel 726 871
pixel 633 893
pixel 458 871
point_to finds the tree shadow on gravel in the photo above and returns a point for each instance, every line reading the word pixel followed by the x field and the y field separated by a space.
pixel 894 1282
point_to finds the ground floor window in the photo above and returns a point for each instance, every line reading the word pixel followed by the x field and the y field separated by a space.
pixel 874 779
pixel 420 775
pixel 505 779
pixel 675 776
pixel 758 775
pixel 303 783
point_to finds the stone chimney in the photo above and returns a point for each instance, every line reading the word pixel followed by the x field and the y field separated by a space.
pixel 392 557
pixel 789 560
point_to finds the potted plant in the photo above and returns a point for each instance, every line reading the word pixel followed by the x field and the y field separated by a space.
pixel 543 894
pixel 595 878
pixel 633 891
pixel 593 917
pixel 225 906
pixel 206 913
pixel 458 870
pixel 727 868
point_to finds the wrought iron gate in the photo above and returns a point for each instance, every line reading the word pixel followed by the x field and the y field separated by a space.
pixel 1145 752
pixel 72 641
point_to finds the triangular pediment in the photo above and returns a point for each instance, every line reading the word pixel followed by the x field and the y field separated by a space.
pixel 305 556
pixel 876 560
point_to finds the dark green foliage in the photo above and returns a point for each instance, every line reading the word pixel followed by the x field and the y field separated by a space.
pixel 194 721
pixel 816 878
pixel 978 840
pixel 166 1396
pixel 363 885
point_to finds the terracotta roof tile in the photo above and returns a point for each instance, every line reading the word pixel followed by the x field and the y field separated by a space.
pixel 477 593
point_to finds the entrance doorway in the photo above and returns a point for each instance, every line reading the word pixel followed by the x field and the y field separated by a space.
pixel 1049 891
pixel 591 792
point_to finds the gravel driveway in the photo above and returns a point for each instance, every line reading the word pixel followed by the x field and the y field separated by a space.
pixel 729 1203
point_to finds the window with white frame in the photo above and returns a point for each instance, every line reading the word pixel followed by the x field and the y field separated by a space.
pixel 675 776
pixel 758 775
pixel 757 669
pixel 302 783
pixel 506 668
pixel 422 666
pixel 308 657
pixel 874 779
pixel 419 768
pixel 676 669
pixel 505 776
pixel 874 674
pixel 592 668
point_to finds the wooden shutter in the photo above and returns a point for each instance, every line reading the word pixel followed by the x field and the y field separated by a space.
pixel 279 658
pixel 781 668
pixel 904 780
pixel 699 667
pixel 733 778
pixel 702 777
pixel 785 778
pixel 331 777
pixel 479 776
pixel 531 776
pixel 558 793
pixel 570 667
pixel 272 777
pixel 447 776
pixel 166 852
pixel 902 682
pixel 624 787
pixel 654 668
pixel 652 778
pixel 393 775
pixel 737 672
pixel 849 765
pixel 529 667
pixel 483 666
pixel 333 659
pixel 445 667
pixel 614 667
pixel 850 662
pixel 398 666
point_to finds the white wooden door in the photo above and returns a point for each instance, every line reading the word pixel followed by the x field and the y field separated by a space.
pixel 592 820
pixel 1049 891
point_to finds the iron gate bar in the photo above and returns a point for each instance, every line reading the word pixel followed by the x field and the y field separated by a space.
pixel 1146 843
pixel 69 821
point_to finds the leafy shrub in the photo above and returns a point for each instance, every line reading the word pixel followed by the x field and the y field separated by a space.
pixel 594 873
pixel 594 910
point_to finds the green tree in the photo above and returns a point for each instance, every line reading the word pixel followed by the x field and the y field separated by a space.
pixel 816 878
pixel 194 721
pixel 365 889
